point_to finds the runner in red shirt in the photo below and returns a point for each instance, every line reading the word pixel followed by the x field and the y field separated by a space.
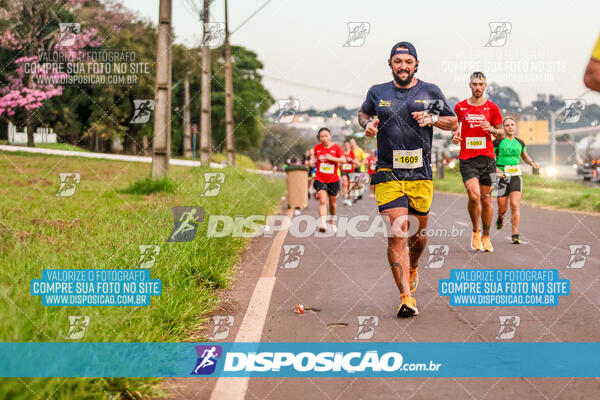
pixel 327 182
pixel 481 122
pixel 347 167
pixel 371 162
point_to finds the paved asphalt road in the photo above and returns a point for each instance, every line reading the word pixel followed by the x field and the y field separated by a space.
pixel 348 277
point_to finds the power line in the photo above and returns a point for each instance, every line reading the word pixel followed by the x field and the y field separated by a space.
pixel 250 17
pixel 313 87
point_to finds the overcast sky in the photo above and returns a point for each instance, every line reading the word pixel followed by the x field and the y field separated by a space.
pixel 546 50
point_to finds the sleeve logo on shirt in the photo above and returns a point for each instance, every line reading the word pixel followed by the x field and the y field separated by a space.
pixel 384 103
pixel 432 106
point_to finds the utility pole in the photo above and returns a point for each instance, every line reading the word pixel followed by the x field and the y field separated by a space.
pixel 553 135
pixel 205 101
pixel 228 95
pixel 187 137
pixel 161 143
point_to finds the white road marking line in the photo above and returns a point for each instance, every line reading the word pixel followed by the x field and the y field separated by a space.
pixel 461 223
pixel 254 319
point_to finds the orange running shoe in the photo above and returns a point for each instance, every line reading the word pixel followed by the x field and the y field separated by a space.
pixel 476 241
pixel 408 307
pixel 487 244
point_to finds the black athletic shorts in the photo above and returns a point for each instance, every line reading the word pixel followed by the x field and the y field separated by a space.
pixel 479 167
pixel 510 184
pixel 331 188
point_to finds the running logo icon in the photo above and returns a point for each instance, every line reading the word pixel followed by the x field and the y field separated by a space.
pixel 212 183
pixel 499 32
pixel 142 109
pixel 579 254
pixel 68 183
pixel 366 326
pixel 357 184
pixel 508 326
pixel 222 326
pixel 186 220
pixel 499 185
pixel 207 359
pixel 287 110
pixel 437 254
pixel 148 254
pixel 68 33
pixel 433 107
pixel 573 110
pixel 77 326
pixel 291 255
pixel 357 33
pixel 214 34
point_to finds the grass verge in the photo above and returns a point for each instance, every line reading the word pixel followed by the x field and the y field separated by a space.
pixel 101 226
pixel 538 191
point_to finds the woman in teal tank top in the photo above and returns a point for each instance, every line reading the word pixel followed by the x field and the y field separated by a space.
pixel 509 151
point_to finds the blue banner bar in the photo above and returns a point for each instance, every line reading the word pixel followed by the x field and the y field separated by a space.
pixel 504 287
pixel 299 359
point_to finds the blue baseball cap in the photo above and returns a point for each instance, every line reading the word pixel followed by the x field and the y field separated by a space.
pixel 410 49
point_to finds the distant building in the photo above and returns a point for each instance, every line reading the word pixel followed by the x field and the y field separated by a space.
pixel 533 132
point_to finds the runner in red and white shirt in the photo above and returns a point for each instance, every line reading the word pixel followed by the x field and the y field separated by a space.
pixel 327 181
pixel 371 162
pixel 347 167
pixel 481 123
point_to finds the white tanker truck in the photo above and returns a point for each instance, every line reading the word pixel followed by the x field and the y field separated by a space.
pixel 587 152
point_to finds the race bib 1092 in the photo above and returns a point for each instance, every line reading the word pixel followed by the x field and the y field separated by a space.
pixel 476 142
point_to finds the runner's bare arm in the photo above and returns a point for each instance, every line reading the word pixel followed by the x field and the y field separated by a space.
pixel 363 121
pixel 528 160
pixel 591 79
pixel 363 118
pixel 496 131
pixel 335 159
pixel 448 123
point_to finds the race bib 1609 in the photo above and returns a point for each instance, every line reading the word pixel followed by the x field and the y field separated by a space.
pixel 408 159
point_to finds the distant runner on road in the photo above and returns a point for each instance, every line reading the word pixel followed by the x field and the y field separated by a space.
pixel 402 179
pixel 509 151
pixel 347 168
pixel 306 161
pixel 327 181
pixel 372 162
pixel 481 122
pixel 361 156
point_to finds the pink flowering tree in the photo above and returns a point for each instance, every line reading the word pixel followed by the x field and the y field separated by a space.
pixel 30 27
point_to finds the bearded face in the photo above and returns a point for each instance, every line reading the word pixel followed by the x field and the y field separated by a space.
pixel 403 68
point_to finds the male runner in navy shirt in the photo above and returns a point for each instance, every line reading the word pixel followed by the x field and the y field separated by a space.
pixel 406 108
